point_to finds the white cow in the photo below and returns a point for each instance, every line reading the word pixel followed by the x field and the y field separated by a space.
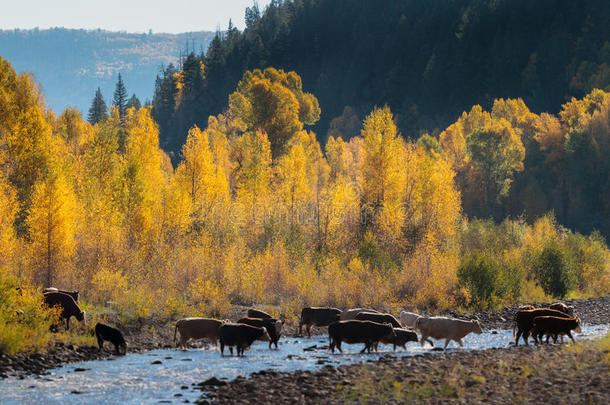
pixel 408 319
pixel 446 328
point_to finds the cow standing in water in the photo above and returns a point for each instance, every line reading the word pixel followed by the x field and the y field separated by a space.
pixel 446 328
pixel 317 316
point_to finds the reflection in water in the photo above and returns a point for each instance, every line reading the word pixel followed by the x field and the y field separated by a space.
pixel 135 379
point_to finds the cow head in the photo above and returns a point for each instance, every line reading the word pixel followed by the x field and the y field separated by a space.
pixel 278 327
pixel 476 327
pixel 577 328
pixel 264 336
pixel 80 316
pixel 390 329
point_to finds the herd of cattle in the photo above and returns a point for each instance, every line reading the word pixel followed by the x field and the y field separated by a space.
pixel 353 326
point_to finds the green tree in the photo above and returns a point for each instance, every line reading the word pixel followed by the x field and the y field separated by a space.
pixel 98 111
pixel 134 102
pixel 497 153
pixel 119 100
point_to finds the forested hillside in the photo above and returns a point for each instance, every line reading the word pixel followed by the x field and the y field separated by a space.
pixel 429 62
pixel 70 64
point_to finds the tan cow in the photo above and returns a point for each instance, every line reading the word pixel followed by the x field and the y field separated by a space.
pixel 197 328
pixel 446 328
pixel 408 319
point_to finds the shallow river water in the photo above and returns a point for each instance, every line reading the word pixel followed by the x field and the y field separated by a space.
pixel 133 379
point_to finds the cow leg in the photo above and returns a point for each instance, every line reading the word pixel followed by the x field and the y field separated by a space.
pixel 570 336
pixel 339 346
pixel 446 344
pixel 222 349
pixel 300 327
pixel 460 342
pixel 366 346
pixel 518 336
pixel 67 323
pixel 308 330
pixel 526 336
pixel 423 340
pixel 231 350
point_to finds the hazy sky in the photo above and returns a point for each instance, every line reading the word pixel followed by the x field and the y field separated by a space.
pixel 126 15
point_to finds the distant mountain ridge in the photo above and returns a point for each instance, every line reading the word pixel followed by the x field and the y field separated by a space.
pixel 70 64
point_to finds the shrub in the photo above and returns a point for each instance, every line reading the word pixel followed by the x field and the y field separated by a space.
pixel 24 321
pixel 479 273
pixel 553 271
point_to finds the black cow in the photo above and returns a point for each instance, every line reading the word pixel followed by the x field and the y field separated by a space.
pixel 317 316
pixel 272 325
pixel 241 336
pixel 255 313
pixel 105 332
pixel 367 332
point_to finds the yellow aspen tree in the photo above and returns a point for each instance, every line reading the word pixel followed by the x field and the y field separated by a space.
pixel 8 210
pixel 51 223
pixel 143 176
pixel 199 174
pixel 382 167
pixel 25 135
pixel 251 157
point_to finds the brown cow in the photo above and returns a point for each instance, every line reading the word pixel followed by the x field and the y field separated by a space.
pixel 273 326
pixel 317 316
pixel 255 313
pixel 560 306
pixel 241 336
pixel 553 326
pixel 402 337
pixel 66 303
pixel 197 328
pixel 349 314
pixel 73 294
pixel 524 321
pixel 367 332
pixel 379 318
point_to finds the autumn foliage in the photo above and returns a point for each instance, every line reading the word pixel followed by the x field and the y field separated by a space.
pixel 257 211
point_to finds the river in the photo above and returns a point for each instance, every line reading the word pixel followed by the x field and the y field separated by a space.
pixel 168 376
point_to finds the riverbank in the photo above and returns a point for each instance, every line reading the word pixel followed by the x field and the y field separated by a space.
pixel 556 374
pixel 147 337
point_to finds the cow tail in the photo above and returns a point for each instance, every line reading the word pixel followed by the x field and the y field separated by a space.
pixel 175 331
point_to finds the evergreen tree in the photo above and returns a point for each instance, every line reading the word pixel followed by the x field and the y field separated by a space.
pixel 98 111
pixel 119 99
pixel 134 102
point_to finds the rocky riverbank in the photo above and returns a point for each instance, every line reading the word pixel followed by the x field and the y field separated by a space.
pixel 147 337
pixel 556 374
